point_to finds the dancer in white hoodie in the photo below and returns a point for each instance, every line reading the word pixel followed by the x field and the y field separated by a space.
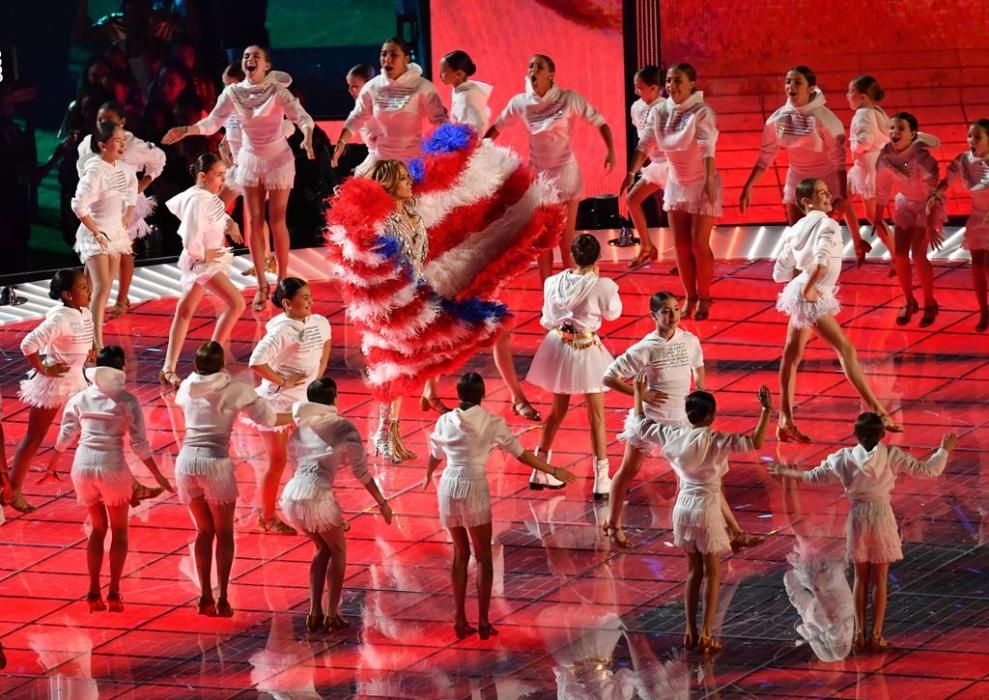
pixel 265 163
pixel 398 101
pixel 204 227
pixel 323 441
pixel 469 101
pixel 867 134
pixel 204 473
pixel 814 139
pixel 145 158
pixel 868 472
pixel 293 352
pixel 809 263
pixel 102 415
pixel 549 114
pixel 906 166
pixel 571 358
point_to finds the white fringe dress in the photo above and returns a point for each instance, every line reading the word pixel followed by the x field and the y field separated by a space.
pixel 812 241
pixel 699 456
pixel 324 440
pixel 868 477
pixel 571 358
pixel 65 336
pixel 465 438
pixel 204 221
pixel 211 404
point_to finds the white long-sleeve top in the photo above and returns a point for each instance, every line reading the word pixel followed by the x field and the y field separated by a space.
pixel 685 133
pixel 290 345
pixel 670 366
pixel 66 335
pixel 581 300
pixel 211 404
pixel 469 105
pixel 812 135
pixel 466 438
pixel 912 172
pixel 103 414
pixel 868 133
pixel 104 192
pixel 203 222
pixel 398 107
pixel 813 240
pixel 639 113
pixel 973 173
pixel 325 440
pixel 869 475
pixel 549 121
pixel 261 110
pixel 699 456
pixel 142 156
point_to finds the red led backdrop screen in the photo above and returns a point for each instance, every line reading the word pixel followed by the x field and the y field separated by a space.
pixel 931 57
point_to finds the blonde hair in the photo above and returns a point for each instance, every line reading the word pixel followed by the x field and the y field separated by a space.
pixel 388 173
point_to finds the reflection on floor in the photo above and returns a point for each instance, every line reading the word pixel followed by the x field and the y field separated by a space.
pixel 578 619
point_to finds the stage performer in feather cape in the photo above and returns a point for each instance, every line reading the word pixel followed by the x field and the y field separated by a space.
pixel 420 275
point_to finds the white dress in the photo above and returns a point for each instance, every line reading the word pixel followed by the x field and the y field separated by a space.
pixel 913 175
pixel 104 192
pixel 549 120
pixel 465 438
pixel 670 366
pixel 699 456
pixel 397 108
pixel 973 173
pixel 655 172
pixel 102 415
pixel 323 442
pixel 814 240
pixel 814 139
pixel 469 105
pixel 687 134
pixel 264 158
pixel 143 157
pixel 868 133
pixel 290 346
pixel 211 404
pixel 65 336
pixel 571 358
pixel 868 477
pixel 203 225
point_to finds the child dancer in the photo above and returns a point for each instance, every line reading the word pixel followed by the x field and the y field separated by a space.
pixel 469 102
pixel 204 227
pixel 102 415
pixel 265 163
pixel 323 441
pixel 867 134
pixel 683 128
pixel 699 456
pixel 907 165
pixel 971 169
pixel 57 350
pixel 293 352
pixel 571 359
pixel 357 77
pixel 204 473
pixel 465 436
pixel 815 142
pixel 145 158
pixel 397 100
pixel 867 473
pixel 104 202
pixel 812 247
pixel 548 115
pixel 648 84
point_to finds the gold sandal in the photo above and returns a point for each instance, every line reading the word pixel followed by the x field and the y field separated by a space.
pixel 273 527
pixel 260 298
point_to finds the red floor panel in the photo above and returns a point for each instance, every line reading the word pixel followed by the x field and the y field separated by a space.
pixel 559 587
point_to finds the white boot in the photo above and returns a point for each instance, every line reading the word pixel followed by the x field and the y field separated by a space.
pixel 602 482
pixel 537 481
pixel 551 481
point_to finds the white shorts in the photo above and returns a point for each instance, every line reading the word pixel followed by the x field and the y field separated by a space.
pixel 201 474
pixel 567 178
pixel 911 213
pixel 86 246
pixel 689 197
pixel 101 477
pixel 274 171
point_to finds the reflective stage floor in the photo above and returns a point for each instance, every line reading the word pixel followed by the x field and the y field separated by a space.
pixel 578 618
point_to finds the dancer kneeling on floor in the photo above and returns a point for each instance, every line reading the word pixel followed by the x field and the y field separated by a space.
pixel 465 436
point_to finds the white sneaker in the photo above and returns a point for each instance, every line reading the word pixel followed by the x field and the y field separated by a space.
pixel 602 482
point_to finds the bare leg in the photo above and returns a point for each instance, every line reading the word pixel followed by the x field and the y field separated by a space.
pixel 692 594
pixel 925 271
pixel 277 207
pixel 595 416
pixel 639 193
pixel 223 521
pixel 793 352
pixel 712 574
pixel 620 483
pixel 126 276
pixel 118 544
pixel 828 329
pixel 860 592
pixel 481 539
pixel 902 258
pixel 337 569
pixel 318 569
pixel 566 238
pixel 275 444
pixel 231 297
pixel 101 270
pixel 851 218
pixel 505 363
pixel 94 547
pixel 38 422
pixel 980 274
pixel 254 215
pixel 880 577
pixel 205 533
pixel 458 573
pixel 875 217
pixel 703 256
pixel 680 223
pixel 553 421
pixel 186 307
